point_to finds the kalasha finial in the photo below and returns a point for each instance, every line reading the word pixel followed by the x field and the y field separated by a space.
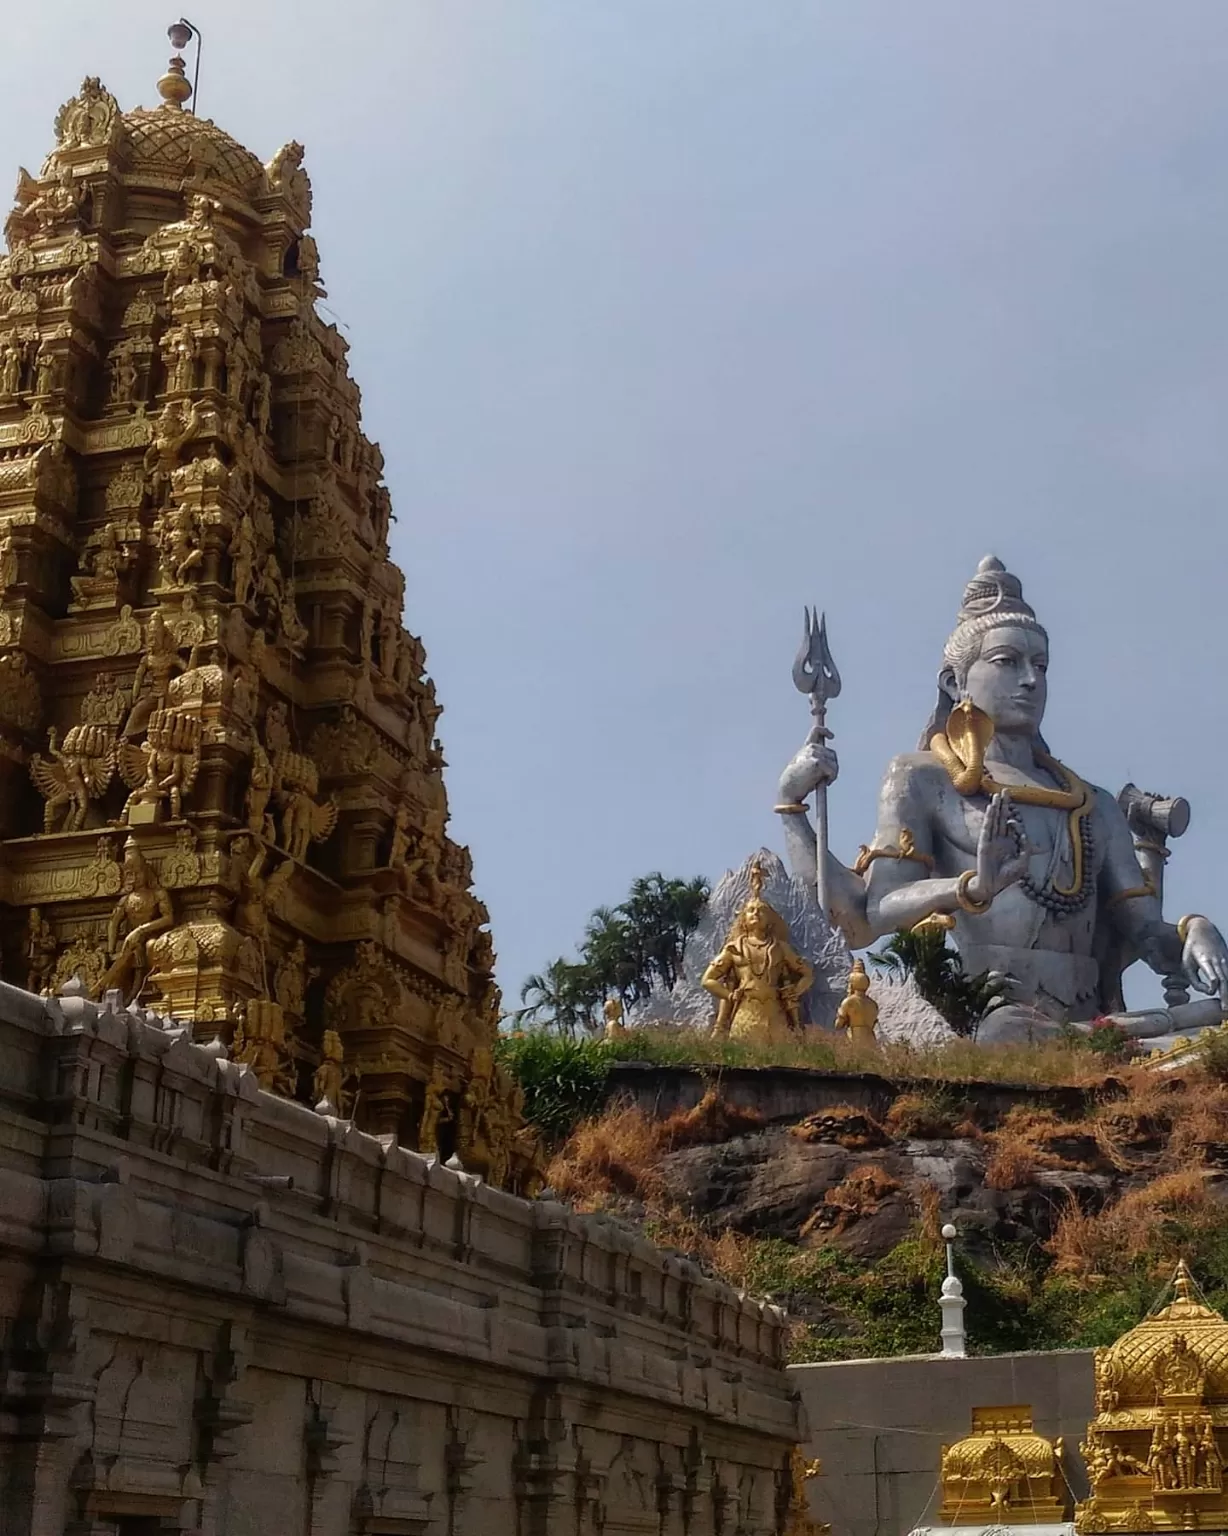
pixel 1183 1282
pixel 174 87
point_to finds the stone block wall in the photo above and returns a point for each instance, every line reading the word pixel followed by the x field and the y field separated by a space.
pixel 224 1314
pixel 879 1427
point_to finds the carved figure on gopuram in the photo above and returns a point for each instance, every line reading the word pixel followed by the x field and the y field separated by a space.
pixel 203 648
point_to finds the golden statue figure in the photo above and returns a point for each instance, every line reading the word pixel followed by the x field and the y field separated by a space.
pixel 435 1111
pixel 858 1012
pixel 328 1083
pixel 758 976
pixel 142 911
pixel 41 951
pixel 612 1011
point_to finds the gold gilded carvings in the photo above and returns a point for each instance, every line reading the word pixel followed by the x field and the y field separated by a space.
pixel 126 488
pixel 287 177
pixel 161 769
pixel 41 951
pixel 260 889
pixel 84 960
pixel 89 119
pixel 181 866
pixel 73 775
pixel 143 911
pixel 260 1043
pixel 1003 1473
pixel 351 748
pixel 329 1083
pixel 104 560
pixel 219 574
pixel 1154 1452
pixel 204 969
pixel 21 704
pixel 303 820
pixel 123 635
pixel 290 981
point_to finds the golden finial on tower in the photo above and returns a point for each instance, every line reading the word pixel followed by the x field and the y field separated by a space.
pixel 1183 1282
pixel 174 87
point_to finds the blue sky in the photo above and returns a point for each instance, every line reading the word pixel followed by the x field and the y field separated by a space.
pixel 674 315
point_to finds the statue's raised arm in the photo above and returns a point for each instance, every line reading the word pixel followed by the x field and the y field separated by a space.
pixel 1038 869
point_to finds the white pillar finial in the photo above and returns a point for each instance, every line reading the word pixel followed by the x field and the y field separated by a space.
pixel 951 1300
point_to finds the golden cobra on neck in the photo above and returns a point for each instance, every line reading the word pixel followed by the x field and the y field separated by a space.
pixel 961 750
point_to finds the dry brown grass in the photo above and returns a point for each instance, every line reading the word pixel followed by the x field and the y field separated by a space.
pixel 615 1155
pixel 710 1122
pixel 620 1153
pixel 861 1193
pixel 1139 1225
pixel 924 1115
pixel 1021 1146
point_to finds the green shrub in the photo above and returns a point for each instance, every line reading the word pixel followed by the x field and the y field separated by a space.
pixel 1213 1051
pixel 563 1079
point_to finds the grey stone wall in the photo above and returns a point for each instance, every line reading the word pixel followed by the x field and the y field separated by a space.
pixel 224 1314
pixel 791 1093
pixel 879 1427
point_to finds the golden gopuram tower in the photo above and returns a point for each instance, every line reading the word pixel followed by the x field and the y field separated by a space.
pixel 222 789
pixel 1155 1450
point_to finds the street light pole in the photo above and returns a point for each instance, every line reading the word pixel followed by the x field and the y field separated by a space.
pixel 951 1300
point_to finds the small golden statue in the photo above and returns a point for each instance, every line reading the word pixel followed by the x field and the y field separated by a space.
pixel 612 1011
pixel 798 1520
pixel 858 1012
pixel 259 1042
pixel 758 976
pixel 328 1084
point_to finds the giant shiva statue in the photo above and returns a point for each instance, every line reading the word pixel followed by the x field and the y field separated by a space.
pixel 1038 870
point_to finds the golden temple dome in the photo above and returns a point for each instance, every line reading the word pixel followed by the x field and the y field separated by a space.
pixel 1003 1472
pixel 1155 1450
pixel 164 149
pixel 163 143
pixel 1130 1371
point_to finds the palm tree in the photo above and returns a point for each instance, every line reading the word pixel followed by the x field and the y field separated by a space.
pixel 663 914
pixel 922 953
pixel 563 996
pixel 626 950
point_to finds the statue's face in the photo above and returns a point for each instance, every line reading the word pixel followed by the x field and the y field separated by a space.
pixel 1008 679
pixel 756 920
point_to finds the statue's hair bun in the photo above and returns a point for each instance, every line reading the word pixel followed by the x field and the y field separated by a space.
pixel 993 590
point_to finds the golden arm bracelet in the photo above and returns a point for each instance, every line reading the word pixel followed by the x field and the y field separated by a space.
pixel 1183 925
pixel 791 809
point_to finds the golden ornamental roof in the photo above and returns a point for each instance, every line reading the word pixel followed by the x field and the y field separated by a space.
pixel 165 141
pixel 1003 1473
pixel 1132 1372
pixel 1154 1452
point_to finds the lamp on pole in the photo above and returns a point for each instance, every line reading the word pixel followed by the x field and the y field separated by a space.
pixel 951 1300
